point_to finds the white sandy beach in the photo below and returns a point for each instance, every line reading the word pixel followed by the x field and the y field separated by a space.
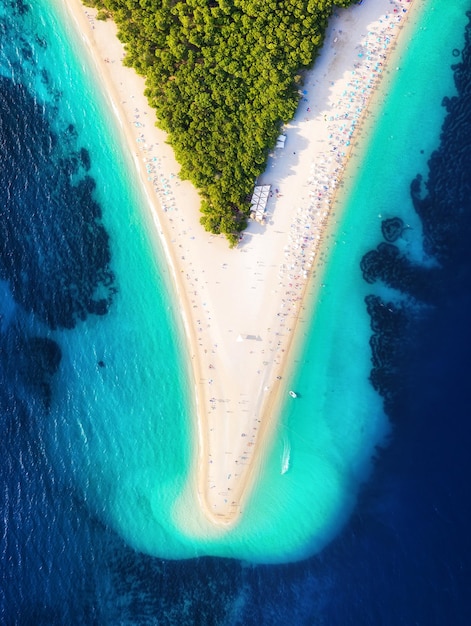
pixel 240 307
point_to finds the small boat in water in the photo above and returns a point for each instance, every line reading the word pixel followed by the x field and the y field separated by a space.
pixel 293 394
pixel 285 457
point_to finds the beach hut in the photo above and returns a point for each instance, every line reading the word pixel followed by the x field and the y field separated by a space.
pixel 280 142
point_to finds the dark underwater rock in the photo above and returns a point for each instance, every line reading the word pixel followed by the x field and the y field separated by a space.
pixel 389 323
pixel 392 229
pixel 29 364
pixel 55 253
pixel 388 265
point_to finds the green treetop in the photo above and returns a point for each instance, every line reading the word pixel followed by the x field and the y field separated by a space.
pixel 223 76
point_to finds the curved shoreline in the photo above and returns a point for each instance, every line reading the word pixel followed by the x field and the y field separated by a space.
pixel 238 348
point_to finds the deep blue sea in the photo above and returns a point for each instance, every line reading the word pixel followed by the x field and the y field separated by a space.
pixel 67 276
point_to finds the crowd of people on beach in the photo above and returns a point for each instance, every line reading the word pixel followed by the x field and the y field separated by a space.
pixel 342 117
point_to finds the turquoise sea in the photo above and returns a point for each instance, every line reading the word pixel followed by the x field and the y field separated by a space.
pixel 97 411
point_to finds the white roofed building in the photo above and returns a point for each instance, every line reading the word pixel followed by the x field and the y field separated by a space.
pixel 280 142
pixel 259 201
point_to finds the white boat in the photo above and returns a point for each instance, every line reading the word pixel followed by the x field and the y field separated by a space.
pixel 285 457
pixel 293 394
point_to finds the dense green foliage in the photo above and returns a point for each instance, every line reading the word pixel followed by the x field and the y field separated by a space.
pixel 223 75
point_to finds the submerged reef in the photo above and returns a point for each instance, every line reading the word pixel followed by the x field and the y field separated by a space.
pixel 55 250
pixel 443 204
